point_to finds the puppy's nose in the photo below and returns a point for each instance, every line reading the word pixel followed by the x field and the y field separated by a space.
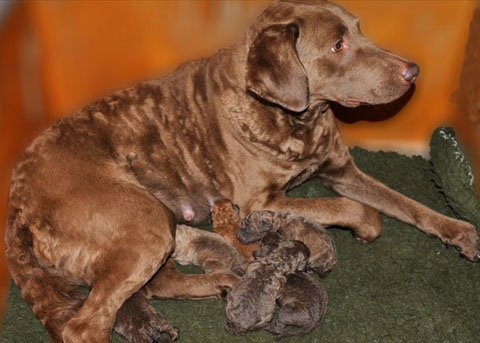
pixel 410 74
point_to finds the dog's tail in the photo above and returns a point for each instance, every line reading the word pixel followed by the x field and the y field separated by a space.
pixel 52 298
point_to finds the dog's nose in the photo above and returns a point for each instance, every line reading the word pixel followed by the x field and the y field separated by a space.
pixel 410 74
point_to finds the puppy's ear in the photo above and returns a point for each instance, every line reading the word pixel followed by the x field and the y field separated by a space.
pixel 274 71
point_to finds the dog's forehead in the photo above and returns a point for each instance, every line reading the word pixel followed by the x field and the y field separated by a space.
pixel 288 10
pixel 326 14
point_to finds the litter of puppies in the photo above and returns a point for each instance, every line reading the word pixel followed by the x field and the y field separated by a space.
pixel 276 291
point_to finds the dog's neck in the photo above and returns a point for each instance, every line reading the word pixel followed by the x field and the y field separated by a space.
pixel 268 126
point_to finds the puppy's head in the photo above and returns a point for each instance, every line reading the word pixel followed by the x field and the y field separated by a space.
pixel 304 52
pixel 255 226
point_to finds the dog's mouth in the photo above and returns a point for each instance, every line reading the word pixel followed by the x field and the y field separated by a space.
pixel 354 102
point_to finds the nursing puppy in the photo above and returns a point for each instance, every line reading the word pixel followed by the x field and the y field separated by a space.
pixel 220 261
pixel 251 303
pixel 226 221
pixel 208 250
pixel 323 254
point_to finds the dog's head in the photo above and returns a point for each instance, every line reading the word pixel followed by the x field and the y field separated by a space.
pixel 304 52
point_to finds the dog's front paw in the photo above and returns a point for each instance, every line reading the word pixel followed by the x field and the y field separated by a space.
pixel 465 238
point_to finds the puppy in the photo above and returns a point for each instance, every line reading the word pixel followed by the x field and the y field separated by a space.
pixel 323 254
pixel 251 303
pixel 226 221
pixel 208 250
pixel 303 303
pixel 221 262
pixel 303 300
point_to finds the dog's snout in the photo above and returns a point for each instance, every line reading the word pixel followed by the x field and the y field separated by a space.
pixel 410 74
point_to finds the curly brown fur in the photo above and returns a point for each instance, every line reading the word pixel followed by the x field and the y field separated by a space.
pixel 208 250
pixel 303 303
pixel 251 303
pixel 323 254
pixel 226 221
pixel 95 199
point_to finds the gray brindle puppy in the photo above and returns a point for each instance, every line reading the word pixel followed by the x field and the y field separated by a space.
pixel 251 302
pixel 95 199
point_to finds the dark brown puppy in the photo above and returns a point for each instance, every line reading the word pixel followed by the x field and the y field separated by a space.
pixel 226 221
pixel 323 254
pixel 94 200
pixel 251 303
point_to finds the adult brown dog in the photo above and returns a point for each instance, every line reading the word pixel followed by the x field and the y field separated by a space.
pixel 94 200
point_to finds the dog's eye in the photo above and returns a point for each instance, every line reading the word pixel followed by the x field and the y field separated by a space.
pixel 337 47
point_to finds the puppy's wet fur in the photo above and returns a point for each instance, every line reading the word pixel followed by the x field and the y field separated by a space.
pixel 323 254
pixel 220 261
pixel 251 303
pixel 303 303
pixel 208 250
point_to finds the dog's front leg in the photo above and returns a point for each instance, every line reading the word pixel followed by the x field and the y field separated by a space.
pixel 363 220
pixel 349 181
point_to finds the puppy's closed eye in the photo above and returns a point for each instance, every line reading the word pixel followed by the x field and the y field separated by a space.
pixel 236 208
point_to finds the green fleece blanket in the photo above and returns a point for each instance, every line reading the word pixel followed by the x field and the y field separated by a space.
pixel 404 287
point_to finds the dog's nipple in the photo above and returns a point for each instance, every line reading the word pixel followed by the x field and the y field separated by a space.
pixel 188 214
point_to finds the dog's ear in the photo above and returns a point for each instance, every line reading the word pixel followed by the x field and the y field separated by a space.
pixel 274 71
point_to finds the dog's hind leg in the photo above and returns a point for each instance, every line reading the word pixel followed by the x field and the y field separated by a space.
pixel 134 234
pixel 124 271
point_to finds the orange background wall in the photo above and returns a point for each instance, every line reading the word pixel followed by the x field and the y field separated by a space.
pixel 57 56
